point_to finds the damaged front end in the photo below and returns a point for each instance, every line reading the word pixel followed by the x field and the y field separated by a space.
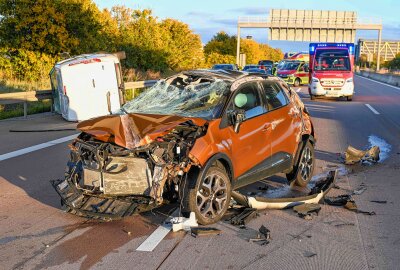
pixel 109 181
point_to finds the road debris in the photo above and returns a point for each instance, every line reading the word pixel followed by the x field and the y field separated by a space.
pixel 381 202
pixel 263 237
pixel 353 155
pixel 205 231
pixel 320 189
pixel 244 217
pixel 309 254
pixel 307 210
pixel 182 223
pixel 347 202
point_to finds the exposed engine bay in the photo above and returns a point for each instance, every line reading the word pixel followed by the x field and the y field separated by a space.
pixel 104 180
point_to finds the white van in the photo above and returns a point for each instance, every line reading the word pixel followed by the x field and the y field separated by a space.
pixel 87 86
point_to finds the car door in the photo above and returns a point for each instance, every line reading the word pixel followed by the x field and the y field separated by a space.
pixel 250 146
pixel 285 124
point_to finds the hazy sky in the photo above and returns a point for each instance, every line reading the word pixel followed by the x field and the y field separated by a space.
pixel 207 17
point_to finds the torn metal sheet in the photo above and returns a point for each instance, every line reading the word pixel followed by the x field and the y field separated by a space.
pixel 353 155
pixel 320 189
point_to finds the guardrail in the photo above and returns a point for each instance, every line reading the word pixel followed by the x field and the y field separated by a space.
pixel 25 97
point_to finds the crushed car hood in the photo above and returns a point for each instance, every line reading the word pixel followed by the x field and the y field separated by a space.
pixel 133 130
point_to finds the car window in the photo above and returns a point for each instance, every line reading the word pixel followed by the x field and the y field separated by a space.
pixel 274 95
pixel 248 99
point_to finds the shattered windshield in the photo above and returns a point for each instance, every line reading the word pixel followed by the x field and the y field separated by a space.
pixel 187 96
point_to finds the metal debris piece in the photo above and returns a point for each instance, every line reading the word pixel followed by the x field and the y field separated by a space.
pixel 205 231
pixel 307 210
pixel 382 202
pixel 244 217
pixel 353 155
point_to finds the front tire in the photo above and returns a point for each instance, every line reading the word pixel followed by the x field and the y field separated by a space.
pixel 296 82
pixel 349 98
pixel 303 171
pixel 211 195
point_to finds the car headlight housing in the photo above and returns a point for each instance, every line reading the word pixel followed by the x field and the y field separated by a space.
pixel 350 80
pixel 314 80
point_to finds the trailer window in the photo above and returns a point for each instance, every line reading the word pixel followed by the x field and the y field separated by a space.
pixel 332 60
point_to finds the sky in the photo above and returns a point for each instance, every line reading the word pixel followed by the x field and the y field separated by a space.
pixel 207 17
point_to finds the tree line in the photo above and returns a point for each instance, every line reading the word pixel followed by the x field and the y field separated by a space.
pixel 34 34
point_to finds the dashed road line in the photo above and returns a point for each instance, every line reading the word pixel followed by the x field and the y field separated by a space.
pixel 36 147
pixel 157 236
pixel 372 109
pixel 298 90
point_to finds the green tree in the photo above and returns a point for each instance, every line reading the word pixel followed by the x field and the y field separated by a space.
pixel 216 58
pixel 221 43
pixel 33 25
pixel 183 47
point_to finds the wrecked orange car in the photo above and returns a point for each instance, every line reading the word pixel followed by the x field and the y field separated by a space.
pixel 192 138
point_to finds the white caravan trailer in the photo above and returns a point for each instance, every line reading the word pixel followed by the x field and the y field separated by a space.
pixel 87 86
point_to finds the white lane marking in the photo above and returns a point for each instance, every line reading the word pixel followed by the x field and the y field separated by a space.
pixel 298 90
pixel 385 84
pixel 36 147
pixel 372 109
pixel 157 236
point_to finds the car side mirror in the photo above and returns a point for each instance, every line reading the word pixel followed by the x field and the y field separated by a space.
pixel 239 118
pixel 236 117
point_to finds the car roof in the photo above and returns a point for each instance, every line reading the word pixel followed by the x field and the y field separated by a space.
pixel 227 75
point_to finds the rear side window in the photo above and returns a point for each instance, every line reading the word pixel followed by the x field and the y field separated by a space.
pixel 248 99
pixel 274 95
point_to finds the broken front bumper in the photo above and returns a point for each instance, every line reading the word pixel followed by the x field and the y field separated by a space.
pixel 99 206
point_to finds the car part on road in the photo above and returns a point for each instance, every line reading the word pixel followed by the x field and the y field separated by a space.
pixel 320 189
pixel 205 231
pixel 347 202
pixel 307 210
pixel 244 216
pixel 182 223
pixel 353 155
pixel 263 237
pixel 309 254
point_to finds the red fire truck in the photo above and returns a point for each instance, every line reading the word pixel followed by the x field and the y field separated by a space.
pixel 331 70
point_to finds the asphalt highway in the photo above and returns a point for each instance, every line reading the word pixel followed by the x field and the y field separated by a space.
pixel 36 234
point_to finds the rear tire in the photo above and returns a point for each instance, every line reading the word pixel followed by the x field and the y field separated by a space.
pixel 210 196
pixel 303 171
pixel 296 82
pixel 312 97
pixel 349 98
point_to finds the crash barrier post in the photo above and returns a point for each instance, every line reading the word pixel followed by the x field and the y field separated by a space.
pixel 25 97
